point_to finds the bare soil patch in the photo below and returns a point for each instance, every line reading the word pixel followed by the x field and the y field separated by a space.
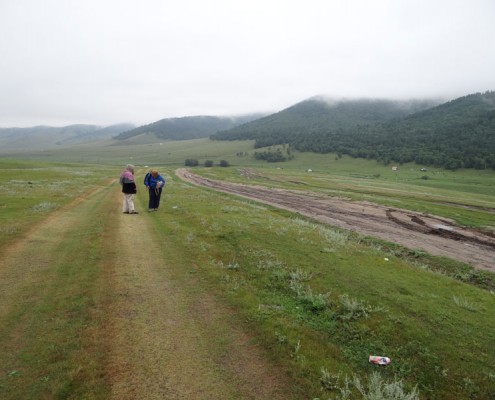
pixel 435 235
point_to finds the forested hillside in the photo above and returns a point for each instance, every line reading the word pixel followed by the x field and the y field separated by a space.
pixel 456 134
pixel 317 116
pixel 187 128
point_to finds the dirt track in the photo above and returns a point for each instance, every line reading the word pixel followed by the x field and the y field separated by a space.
pixel 152 330
pixel 435 235
pixel 164 333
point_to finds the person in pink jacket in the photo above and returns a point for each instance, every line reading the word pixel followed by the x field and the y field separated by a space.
pixel 129 189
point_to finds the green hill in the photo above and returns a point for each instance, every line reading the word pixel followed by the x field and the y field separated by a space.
pixel 318 116
pixel 456 134
pixel 186 128
pixel 44 137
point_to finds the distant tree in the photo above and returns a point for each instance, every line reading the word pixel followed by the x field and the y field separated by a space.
pixel 208 163
pixel 224 163
pixel 270 156
pixel 191 163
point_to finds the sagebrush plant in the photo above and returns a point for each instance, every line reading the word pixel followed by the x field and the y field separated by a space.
pixel 375 387
pixel 378 389
pixel 352 308
pixel 270 264
pixel 466 304
pixel 328 381
pixel 304 293
pixel 45 206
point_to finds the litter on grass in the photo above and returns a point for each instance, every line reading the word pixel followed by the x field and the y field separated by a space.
pixel 379 360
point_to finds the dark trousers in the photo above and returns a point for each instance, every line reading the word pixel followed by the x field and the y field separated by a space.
pixel 155 195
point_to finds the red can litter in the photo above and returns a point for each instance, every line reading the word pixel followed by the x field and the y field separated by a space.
pixel 380 360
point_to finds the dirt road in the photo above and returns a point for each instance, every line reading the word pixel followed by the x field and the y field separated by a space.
pixel 166 332
pixel 94 305
pixel 435 235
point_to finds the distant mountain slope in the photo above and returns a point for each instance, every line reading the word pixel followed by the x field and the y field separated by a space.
pixel 39 137
pixel 186 128
pixel 456 134
pixel 317 116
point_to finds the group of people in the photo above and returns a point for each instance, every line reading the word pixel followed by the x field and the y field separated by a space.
pixel 154 183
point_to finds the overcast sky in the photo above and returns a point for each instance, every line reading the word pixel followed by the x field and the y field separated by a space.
pixel 110 61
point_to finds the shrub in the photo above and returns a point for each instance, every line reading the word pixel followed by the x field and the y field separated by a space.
pixel 374 389
pixel 378 389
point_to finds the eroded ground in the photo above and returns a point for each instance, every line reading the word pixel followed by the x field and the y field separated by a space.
pixel 435 235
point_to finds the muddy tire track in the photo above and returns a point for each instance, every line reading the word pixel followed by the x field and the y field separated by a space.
pixel 435 235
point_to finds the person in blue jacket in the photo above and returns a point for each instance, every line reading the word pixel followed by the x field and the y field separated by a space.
pixel 154 182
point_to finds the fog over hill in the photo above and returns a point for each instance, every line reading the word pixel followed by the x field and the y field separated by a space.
pixel 186 128
pixel 321 113
pixel 456 134
pixel 44 137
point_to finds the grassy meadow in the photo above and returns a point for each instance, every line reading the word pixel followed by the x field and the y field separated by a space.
pixel 319 300
pixel 322 300
pixel 52 283
pixel 33 189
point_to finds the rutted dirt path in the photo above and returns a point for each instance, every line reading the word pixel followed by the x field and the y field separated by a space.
pixel 154 334
pixel 435 235
pixel 165 335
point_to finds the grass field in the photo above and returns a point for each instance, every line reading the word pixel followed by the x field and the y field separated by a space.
pixel 324 300
pixel 462 195
pixel 318 299
pixel 32 190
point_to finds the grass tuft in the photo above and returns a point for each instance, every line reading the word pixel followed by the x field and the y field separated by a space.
pixel 44 207
pixel 378 389
pixel 463 303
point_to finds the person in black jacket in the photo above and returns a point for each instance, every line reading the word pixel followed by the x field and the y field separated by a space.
pixel 129 189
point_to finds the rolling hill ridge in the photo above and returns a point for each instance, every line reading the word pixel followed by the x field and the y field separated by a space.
pixel 42 137
pixel 186 128
pixel 456 134
pixel 319 114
